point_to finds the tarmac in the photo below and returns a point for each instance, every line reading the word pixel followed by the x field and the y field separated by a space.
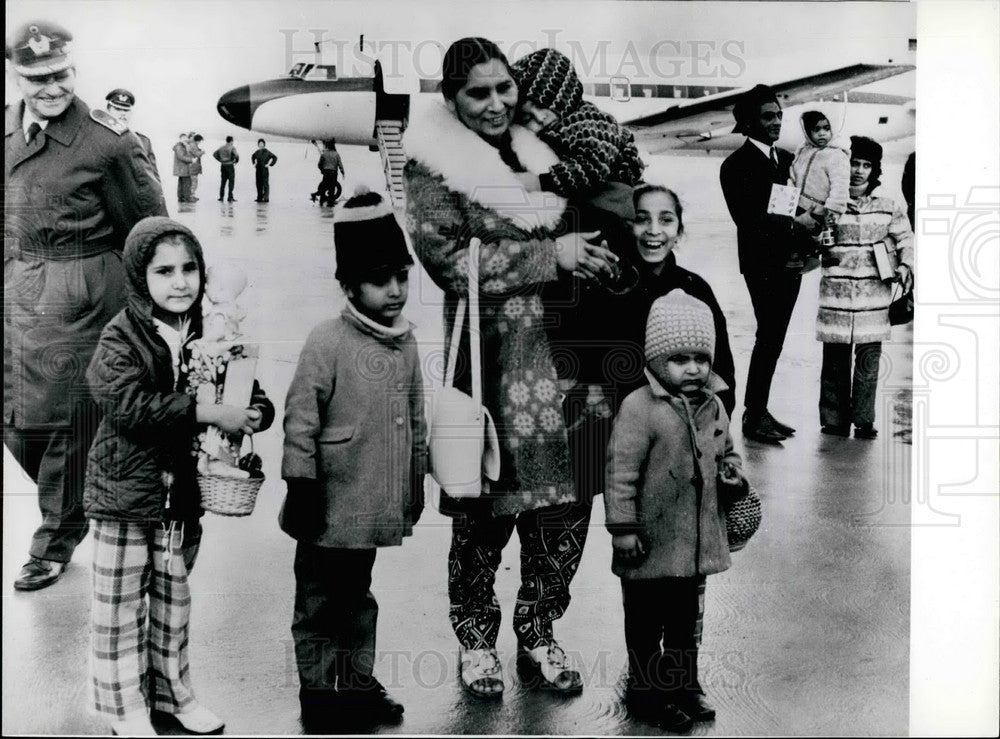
pixel 806 634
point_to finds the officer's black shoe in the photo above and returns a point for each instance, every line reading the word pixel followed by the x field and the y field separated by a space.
pixel 782 428
pixel 38 573
pixel 760 429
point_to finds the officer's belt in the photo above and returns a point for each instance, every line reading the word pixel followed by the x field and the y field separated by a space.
pixel 67 253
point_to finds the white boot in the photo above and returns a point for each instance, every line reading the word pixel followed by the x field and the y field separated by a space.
pixel 138 725
pixel 196 719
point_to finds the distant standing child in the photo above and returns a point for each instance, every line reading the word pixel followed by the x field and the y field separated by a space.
pixel 262 161
pixel 227 157
pixel 822 169
pixel 355 457
pixel 670 442
pixel 141 489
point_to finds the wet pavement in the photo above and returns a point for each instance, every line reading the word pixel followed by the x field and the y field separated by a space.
pixel 806 634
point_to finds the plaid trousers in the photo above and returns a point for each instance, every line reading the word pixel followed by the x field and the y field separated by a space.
pixel 139 621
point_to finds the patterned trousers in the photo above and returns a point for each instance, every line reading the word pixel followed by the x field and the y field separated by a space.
pixel 552 542
pixel 140 611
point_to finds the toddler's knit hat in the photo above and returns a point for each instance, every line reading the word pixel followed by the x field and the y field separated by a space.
pixel 367 238
pixel 678 324
pixel 546 77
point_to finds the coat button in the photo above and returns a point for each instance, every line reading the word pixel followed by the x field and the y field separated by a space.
pixel 400 386
pixel 399 420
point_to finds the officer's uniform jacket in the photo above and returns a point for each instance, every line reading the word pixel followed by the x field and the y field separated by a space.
pixel 72 195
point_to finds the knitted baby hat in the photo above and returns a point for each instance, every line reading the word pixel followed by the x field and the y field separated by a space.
pixel 547 78
pixel 678 324
pixel 367 238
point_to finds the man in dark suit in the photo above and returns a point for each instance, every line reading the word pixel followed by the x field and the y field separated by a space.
pixel 765 243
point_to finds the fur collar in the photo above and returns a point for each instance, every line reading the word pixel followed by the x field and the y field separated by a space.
pixel 470 166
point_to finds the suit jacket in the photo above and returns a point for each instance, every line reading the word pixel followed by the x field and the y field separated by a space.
pixel 764 241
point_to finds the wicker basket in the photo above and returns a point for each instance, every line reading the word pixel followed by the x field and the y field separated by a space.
pixel 228 496
pixel 743 518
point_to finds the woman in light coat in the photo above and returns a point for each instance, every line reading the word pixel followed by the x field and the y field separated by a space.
pixel 854 301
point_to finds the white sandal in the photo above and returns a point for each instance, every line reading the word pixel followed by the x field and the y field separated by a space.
pixel 482 674
pixel 550 663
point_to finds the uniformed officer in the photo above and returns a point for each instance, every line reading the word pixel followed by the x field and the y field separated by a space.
pixel 120 102
pixel 76 182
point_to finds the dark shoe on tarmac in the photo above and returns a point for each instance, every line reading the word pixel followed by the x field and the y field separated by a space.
pixel 697 707
pixel 230 200
pixel 372 701
pixel 760 429
pixel 649 706
pixel 39 573
pixel 835 430
pixel 865 431
pixel 782 428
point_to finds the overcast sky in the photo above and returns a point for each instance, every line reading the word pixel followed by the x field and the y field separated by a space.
pixel 190 51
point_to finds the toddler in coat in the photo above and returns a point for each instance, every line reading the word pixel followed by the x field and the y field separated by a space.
pixel 669 445
pixel 141 489
pixel 822 171
pixel 355 455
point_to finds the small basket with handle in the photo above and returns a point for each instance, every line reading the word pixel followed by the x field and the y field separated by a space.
pixel 229 496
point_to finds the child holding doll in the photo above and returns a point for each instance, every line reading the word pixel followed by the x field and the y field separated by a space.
pixel 142 491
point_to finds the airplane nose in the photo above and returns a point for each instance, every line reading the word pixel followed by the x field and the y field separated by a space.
pixel 234 106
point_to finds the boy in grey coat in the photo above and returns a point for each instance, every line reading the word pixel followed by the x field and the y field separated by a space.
pixel 670 442
pixel 355 455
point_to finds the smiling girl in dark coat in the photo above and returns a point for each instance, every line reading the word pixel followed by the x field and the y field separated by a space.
pixel 141 489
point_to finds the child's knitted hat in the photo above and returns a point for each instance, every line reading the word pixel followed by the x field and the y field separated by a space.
pixel 546 77
pixel 367 237
pixel 678 324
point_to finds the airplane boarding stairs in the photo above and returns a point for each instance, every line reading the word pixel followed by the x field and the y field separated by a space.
pixel 390 145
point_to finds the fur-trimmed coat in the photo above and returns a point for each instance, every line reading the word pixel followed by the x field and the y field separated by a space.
pixel 458 187
pixel 853 301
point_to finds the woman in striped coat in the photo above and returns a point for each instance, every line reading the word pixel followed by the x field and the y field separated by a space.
pixel 854 301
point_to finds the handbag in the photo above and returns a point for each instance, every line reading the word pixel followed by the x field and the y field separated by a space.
pixel 462 441
pixel 743 517
pixel 901 308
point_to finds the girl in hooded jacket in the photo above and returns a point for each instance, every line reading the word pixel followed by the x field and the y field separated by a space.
pixel 141 490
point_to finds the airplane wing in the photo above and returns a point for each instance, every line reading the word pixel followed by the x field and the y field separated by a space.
pixel 694 121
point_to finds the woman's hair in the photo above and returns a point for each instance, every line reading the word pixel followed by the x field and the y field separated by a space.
pixel 461 57
pixel 870 150
pixel 646 188
pixel 261 141
pixel 811 117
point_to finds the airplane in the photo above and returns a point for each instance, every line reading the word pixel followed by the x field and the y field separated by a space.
pixel 315 102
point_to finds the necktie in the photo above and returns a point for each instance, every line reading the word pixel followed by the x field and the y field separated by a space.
pixel 774 158
pixel 33 130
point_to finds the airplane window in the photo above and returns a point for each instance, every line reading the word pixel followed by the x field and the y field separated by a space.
pixel 296 71
pixel 620 90
pixel 883 119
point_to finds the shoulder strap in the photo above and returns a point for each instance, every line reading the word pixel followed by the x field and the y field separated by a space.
pixel 108 121
pixel 456 332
